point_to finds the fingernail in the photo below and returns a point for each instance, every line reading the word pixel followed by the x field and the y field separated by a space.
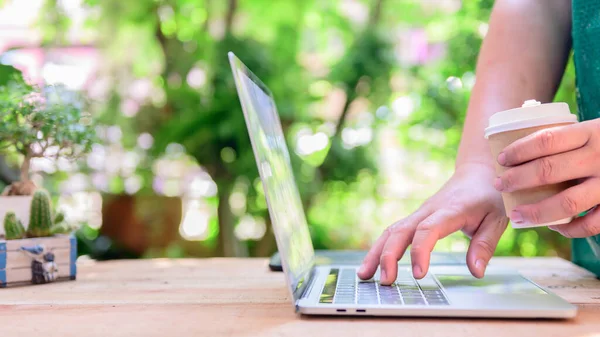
pixel 417 272
pixel 383 275
pixel 480 264
pixel 498 184
pixel 361 269
pixel 502 158
pixel 516 217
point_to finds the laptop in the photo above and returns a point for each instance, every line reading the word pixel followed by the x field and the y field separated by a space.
pixel 446 291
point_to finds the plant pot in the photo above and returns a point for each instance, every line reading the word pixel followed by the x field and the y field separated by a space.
pixel 139 223
pixel 20 205
pixel 17 265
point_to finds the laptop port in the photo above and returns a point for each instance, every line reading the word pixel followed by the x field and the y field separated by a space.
pixel 341 310
pixel 361 310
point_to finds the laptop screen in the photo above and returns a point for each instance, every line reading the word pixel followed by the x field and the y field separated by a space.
pixel 274 166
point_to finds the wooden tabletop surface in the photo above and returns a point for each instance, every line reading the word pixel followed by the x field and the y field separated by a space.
pixel 241 297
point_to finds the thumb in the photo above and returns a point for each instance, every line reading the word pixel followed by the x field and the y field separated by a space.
pixel 484 243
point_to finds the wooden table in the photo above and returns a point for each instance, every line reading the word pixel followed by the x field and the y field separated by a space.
pixel 240 297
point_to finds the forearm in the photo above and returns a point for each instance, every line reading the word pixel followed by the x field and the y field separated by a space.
pixel 522 57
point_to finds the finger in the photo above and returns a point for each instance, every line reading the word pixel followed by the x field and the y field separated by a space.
pixel 545 142
pixel 400 237
pixel 371 260
pixel 373 257
pixel 565 204
pixel 435 227
pixel 547 170
pixel 583 227
pixel 484 243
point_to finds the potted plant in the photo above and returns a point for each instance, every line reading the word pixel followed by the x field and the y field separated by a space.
pixel 41 254
pixel 38 122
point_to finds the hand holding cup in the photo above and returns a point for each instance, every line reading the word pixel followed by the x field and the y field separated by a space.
pixel 550 173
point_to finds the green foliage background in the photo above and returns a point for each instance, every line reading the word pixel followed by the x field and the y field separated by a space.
pixel 304 50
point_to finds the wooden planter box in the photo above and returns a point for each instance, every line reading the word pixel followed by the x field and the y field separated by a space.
pixel 16 265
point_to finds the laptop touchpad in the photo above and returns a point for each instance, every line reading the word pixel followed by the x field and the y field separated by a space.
pixel 489 284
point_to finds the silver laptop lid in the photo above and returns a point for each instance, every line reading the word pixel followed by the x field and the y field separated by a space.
pixel 275 169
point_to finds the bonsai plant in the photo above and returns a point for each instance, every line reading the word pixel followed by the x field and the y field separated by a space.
pixel 38 122
pixel 49 254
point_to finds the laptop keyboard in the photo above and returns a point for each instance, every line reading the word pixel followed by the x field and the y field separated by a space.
pixel 344 287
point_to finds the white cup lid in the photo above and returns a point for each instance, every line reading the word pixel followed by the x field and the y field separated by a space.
pixel 531 114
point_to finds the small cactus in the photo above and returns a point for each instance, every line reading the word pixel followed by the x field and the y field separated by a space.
pixel 61 228
pixel 59 218
pixel 13 228
pixel 40 218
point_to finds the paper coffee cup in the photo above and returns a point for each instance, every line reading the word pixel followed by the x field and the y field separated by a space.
pixel 507 126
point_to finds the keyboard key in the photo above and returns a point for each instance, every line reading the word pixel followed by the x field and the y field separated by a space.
pixel 368 301
pixel 344 296
pixel 433 294
pixel 430 288
pixel 410 290
pixel 367 285
pixel 389 293
pixel 389 297
pixel 410 293
pixel 433 297
pixel 344 301
pixel 391 301
pixel 408 287
pixel 394 295
pixel 414 301
pixel 436 300
pixel 366 291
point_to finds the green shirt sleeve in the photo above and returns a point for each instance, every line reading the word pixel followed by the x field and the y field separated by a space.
pixel 586 56
pixel 586 253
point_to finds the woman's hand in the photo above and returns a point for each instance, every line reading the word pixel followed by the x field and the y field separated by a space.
pixel 553 155
pixel 467 202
